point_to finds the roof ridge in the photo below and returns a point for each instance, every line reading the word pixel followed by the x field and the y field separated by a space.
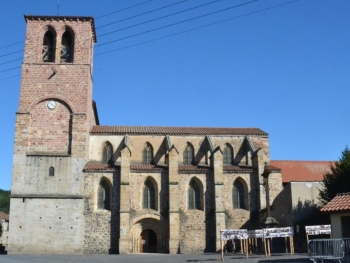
pixel 176 130
pixel 301 161
pixel 169 126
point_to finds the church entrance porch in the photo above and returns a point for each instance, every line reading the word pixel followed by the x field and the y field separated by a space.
pixel 148 235
pixel 149 241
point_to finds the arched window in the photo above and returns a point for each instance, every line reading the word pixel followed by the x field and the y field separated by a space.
pixel 188 154
pixel 51 171
pixel 48 52
pixel 107 152
pixel 194 195
pixel 66 55
pixel 149 196
pixel 147 153
pixel 227 155
pixel 104 196
pixel 238 196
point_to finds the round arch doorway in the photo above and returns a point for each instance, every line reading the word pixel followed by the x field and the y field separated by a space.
pixel 148 240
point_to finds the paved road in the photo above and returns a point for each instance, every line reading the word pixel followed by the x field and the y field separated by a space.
pixel 155 258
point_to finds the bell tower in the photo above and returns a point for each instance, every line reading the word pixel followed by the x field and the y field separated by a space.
pixel 54 118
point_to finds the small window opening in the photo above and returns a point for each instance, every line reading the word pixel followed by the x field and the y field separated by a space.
pixel 51 171
pixel 238 196
pixel 227 155
pixel 149 196
pixel 194 196
pixel 107 152
pixel 188 155
pixel 104 196
pixel 147 153
pixel 66 55
pixel 48 52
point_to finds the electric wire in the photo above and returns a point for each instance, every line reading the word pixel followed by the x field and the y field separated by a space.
pixel 176 23
pixel 192 29
pixel 182 11
pixel 120 10
pixel 10 77
pixel 11 53
pixel 158 18
pixel 117 11
pixel 9 69
pixel 9 45
pixel 148 12
pixel 9 61
pixel 182 32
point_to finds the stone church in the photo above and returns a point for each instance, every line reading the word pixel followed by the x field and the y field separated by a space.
pixel 82 188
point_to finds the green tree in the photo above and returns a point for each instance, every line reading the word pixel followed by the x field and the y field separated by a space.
pixel 5 201
pixel 308 213
pixel 337 180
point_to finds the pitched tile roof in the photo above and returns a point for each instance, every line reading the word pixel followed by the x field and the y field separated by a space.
pixel 271 168
pixel 186 131
pixel 340 203
pixel 4 216
pixel 188 168
pixel 96 166
pixel 301 171
pixel 147 168
pixel 99 166
pixel 235 168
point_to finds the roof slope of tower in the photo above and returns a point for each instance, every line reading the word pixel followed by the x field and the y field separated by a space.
pixel 65 18
pixel 184 131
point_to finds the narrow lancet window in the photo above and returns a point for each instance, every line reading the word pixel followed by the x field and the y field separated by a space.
pixel 194 196
pixel 104 196
pixel 107 152
pixel 149 196
pixel 147 153
pixel 188 154
pixel 238 196
pixel 227 155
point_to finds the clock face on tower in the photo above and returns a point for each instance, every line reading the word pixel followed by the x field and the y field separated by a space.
pixel 51 104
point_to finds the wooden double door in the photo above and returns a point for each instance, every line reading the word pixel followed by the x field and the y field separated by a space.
pixel 148 241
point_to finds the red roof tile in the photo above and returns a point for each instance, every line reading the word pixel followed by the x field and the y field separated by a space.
pixel 340 203
pixel 271 168
pixel 301 171
pixel 235 168
pixel 98 166
pixel 147 168
pixel 158 130
pixel 187 168
pixel 3 215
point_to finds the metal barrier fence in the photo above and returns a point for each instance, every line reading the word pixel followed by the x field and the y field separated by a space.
pixel 347 249
pixel 329 249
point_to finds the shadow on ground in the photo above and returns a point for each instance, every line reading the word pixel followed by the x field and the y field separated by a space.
pixel 292 260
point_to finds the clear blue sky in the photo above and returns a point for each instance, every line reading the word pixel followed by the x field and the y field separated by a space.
pixel 285 70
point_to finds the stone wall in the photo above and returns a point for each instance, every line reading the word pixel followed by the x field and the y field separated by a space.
pixel 237 218
pixel 197 227
pixel 46 226
pixel 4 233
pixel 100 235
pixel 47 210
